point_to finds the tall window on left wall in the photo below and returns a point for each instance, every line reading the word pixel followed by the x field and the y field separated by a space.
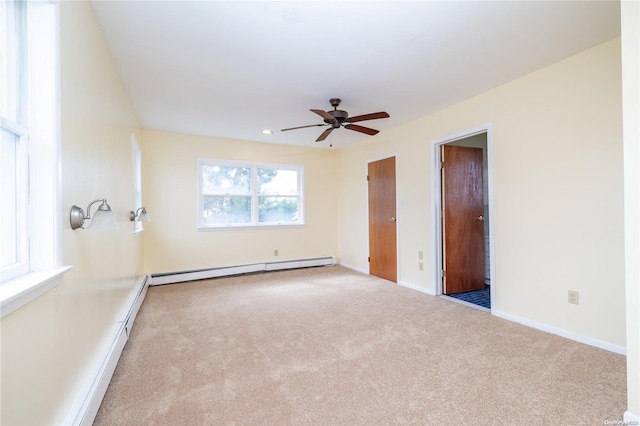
pixel 29 151
pixel 137 182
pixel 14 254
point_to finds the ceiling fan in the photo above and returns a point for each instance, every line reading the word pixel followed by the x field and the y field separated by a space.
pixel 337 118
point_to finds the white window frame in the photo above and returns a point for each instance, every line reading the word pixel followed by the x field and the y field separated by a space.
pixel 39 116
pixel 22 264
pixel 13 120
pixel 137 182
pixel 255 223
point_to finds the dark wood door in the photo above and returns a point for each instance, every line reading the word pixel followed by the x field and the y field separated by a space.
pixel 463 219
pixel 382 219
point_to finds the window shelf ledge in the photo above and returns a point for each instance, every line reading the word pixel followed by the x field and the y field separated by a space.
pixel 16 293
pixel 245 227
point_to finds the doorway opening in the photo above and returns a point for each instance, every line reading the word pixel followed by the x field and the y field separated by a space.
pixel 463 221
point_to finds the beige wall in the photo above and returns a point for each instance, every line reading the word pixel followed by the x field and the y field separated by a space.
pixel 49 345
pixel 558 202
pixel 172 242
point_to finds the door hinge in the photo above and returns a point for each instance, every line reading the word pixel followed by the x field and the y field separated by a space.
pixel 444 273
pixel 367 178
pixel 369 259
pixel 442 164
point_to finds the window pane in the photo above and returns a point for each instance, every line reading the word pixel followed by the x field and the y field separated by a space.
pixel 137 182
pixel 278 209
pixel 226 180
pixel 226 210
pixel 9 186
pixel 13 18
pixel 277 182
pixel 248 194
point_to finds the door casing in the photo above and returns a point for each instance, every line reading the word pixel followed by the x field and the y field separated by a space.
pixel 436 203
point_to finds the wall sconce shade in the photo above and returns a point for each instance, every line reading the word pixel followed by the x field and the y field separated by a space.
pixel 140 215
pixel 104 219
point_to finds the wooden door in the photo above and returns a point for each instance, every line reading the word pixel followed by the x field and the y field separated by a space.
pixel 382 219
pixel 463 219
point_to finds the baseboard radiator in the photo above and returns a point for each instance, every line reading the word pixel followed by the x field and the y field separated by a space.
pixel 85 407
pixel 225 271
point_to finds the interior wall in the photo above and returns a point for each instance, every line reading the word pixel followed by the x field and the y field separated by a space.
pixel 172 240
pixel 558 202
pixel 50 345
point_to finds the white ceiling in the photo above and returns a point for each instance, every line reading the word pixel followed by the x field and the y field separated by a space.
pixel 233 68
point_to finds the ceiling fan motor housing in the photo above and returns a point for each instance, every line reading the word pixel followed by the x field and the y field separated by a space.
pixel 339 117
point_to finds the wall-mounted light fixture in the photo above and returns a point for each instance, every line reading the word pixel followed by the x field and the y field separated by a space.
pixel 140 215
pixel 104 218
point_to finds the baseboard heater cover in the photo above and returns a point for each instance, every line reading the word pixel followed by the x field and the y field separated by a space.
pixel 225 271
pixel 85 407
pixel 302 263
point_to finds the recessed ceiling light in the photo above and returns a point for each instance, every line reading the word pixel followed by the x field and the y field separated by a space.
pixel 291 16
pixel 266 132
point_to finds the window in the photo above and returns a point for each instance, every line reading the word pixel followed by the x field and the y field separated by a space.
pixel 13 177
pixel 234 194
pixel 14 253
pixel 137 182
pixel 30 235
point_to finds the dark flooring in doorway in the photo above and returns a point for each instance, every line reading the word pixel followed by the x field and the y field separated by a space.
pixel 477 297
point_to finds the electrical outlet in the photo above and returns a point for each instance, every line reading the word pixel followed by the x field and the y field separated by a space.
pixel 419 255
pixel 420 266
pixel 275 252
pixel 574 297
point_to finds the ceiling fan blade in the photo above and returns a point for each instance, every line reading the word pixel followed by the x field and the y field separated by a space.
pixel 323 114
pixel 324 134
pixel 362 129
pixel 302 127
pixel 372 116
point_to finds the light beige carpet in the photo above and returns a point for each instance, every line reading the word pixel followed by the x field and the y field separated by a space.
pixel 329 346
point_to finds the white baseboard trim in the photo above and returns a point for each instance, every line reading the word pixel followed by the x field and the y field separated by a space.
pixel 631 419
pixel 562 333
pixel 353 268
pixel 225 271
pixel 85 407
pixel 417 288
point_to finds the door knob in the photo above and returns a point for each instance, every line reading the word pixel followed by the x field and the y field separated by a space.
pixel 392 220
pixel 481 218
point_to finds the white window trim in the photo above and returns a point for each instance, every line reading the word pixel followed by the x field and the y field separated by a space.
pixel 138 228
pixel 18 292
pixel 22 208
pixel 46 269
pixel 254 195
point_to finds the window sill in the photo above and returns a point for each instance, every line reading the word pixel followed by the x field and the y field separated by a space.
pixel 245 227
pixel 18 292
